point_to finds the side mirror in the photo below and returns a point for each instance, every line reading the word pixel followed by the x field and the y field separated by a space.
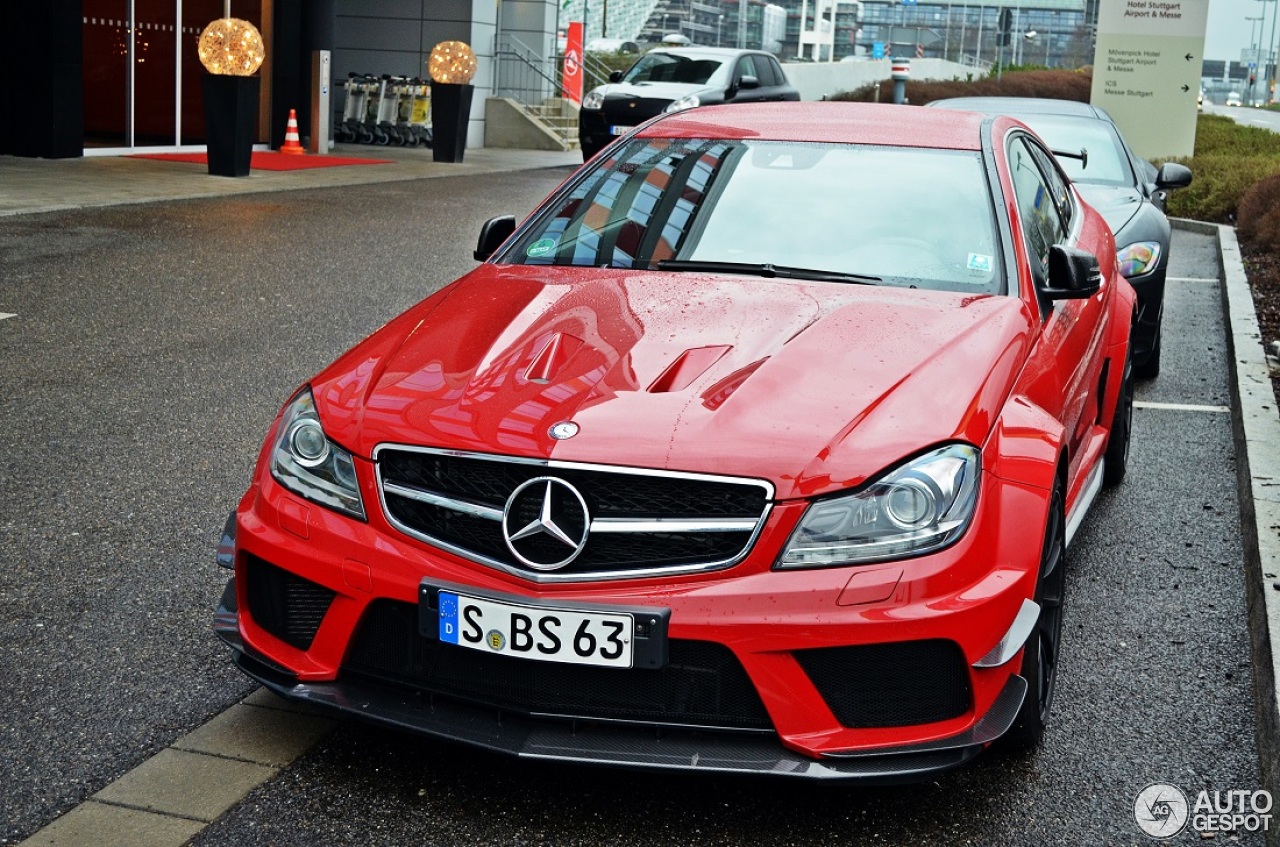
pixel 615 76
pixel 1073 274
pixel 748 82
pixel 1172 175
pixel 492 233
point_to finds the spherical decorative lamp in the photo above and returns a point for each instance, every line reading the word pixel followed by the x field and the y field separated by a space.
pixel 231 47
pixel 451 66
pixel 452 63
pixel 231 51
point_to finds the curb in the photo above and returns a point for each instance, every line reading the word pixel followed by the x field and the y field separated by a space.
pixel 1256 433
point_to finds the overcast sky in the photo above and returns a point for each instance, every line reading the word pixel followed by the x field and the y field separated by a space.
pixel 1228 32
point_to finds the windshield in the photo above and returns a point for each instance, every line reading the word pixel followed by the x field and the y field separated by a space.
pixel 667 67
pixel 1108 164
pixel 900 216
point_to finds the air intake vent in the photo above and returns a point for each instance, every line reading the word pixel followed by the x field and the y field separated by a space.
pixel 284 604
pixel 885 685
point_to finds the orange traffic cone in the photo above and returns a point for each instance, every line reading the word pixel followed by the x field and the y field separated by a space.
pixel 291 142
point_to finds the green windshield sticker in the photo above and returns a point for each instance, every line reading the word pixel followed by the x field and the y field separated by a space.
pixel 541 247
pixel 978 262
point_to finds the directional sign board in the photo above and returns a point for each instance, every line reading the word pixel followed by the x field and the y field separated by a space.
pixel 1146 71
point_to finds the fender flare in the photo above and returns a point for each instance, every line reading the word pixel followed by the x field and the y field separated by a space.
pixel 1027 445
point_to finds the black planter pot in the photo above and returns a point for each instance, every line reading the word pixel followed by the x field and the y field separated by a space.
pixel 450 114
pixel 230 117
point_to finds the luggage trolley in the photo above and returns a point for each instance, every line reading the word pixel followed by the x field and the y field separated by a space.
pixel 385 131
pixel 418 122
pixel 403 89
pixel 352 128
pixel 372 133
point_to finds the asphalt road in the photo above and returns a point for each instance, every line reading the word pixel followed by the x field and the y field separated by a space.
pixel 153 344
pixel 1264 118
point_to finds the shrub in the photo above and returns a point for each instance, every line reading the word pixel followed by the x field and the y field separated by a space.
pixel 1259 213
pixel 1229 159
pixel 1218 184
pixel 1063 85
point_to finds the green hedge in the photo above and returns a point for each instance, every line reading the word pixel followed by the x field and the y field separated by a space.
pixel 1229 160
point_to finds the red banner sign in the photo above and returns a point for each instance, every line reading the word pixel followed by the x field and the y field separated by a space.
pixel 571 77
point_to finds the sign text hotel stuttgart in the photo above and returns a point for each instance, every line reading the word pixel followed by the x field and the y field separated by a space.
pixel 1146 71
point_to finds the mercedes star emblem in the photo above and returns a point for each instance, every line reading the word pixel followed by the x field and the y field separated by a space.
pixel 564 429
pixel 545 523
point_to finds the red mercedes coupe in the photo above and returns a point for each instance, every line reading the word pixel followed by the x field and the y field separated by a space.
pixel 757 447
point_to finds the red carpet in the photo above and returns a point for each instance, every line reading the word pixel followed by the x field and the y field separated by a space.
pixel 270 161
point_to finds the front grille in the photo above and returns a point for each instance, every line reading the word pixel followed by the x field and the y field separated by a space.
pixel 458 502
pixel 284 604
pixel 702 685
pixel 885 685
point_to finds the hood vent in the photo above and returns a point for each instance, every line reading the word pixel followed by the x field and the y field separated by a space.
pixel 687 367
pixel 552 358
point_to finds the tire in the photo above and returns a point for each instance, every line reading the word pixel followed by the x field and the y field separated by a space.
pixel 1150 368
pixel 1040 656
pixel 1117 455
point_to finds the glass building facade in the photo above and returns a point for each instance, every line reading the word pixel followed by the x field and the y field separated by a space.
pixel 1054 33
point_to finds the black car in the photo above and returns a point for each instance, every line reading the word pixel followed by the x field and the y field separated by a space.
pixel 673 78
pixel 1126 189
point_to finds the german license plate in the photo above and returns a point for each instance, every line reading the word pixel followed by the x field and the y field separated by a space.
pixel 571 636
pixel 620 130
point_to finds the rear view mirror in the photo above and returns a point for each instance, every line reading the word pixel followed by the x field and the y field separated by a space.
pixel 1172 175
pixel 615 76
pixel 1073 274
pixel 492 233
pixel 746 83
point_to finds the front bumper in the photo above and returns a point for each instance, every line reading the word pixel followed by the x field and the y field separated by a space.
pixel 1145 336
pixel 593 130
pixel 600 743
pixel 766 621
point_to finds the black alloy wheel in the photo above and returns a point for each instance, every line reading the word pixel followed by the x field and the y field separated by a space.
pixel 1040 657
pixel 1117 455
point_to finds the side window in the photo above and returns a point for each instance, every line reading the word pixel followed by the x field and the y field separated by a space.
pixel 746 67
pixel 768 78
pixel 1042 224
pixel 779 78
pixel 1057 185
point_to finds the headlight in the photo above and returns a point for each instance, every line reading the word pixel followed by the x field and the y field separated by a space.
pixel 922 506
pixel 686 102
pixel 594 99
pixel 307 463
pixel 1138 258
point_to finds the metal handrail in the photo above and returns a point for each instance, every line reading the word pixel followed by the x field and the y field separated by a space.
pixel 532 80
pixel 523 75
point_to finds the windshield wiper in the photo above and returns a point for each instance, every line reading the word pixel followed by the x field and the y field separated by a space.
pixel 765 269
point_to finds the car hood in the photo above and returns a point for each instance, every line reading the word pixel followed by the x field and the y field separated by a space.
pixel 814 386
pixel 622 91
pixel 1117 204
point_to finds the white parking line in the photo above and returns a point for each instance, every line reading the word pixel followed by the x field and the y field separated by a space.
pixel 1182 407
pixel 1192 279
pixel 4 315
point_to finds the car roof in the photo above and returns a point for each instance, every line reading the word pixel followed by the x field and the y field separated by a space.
pixel 705 52
pixel 1023 106
pixel 827 121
